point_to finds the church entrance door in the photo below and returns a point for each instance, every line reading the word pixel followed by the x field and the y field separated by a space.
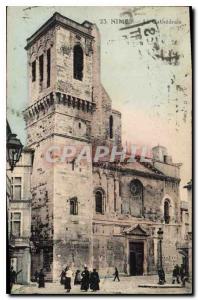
pixel 136 258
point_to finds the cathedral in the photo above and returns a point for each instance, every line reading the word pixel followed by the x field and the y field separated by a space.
pixel 100 214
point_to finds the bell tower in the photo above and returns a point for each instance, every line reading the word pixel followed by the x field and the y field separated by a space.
pixel 61 62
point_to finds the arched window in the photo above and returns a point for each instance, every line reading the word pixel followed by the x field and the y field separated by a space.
pixel 111 127
pixel 99 202
pixel 78 63
pixel 137 201
pixel 73 206
pixel 167 211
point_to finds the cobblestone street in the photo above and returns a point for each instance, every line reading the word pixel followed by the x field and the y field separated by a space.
pixel 127 285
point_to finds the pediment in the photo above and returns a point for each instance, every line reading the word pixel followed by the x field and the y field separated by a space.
pixel 137 230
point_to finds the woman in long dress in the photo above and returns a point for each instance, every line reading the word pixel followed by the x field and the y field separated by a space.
pixel 77 279
pixel 94 281
pixel 85 280
pixel 68 277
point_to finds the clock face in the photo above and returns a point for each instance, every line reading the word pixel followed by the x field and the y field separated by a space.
pixel 135 188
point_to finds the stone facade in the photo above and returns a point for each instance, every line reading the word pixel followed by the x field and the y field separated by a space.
pixel 124 212
pixel 65 110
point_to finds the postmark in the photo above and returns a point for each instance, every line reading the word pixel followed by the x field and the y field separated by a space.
pixel 147 35
pixel 144 30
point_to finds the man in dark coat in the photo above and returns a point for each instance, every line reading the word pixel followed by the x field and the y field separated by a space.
pixel 13 276
pixel 183 275
pixel 162 278
pixel 36 276
pixel 94 281
pixel 85 280
pixel 116 274
pixel 182 272
pixel 41 279
pixel 175 274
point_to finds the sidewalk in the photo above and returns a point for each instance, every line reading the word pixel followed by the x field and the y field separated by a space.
pixel 127 285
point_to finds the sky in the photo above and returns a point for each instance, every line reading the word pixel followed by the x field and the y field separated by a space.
pixel 146 73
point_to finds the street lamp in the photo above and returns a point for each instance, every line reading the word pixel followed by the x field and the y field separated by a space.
pixel 161 273
pixel 14 149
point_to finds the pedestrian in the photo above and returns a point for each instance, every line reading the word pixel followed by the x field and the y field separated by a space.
pixel 182 272
pixel 41 279
pixel 62 276
pixel 178 272
pixel 116 275
pixel 85 280
pixel 94 281
pixel 161 275
pixel 36 276
pixel 183 275
pixel 175 274
pixel 13 277
pixel 162 278
pixel 77 279
pixel 68 277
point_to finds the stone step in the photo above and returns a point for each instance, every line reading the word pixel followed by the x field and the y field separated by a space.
pixel 149 285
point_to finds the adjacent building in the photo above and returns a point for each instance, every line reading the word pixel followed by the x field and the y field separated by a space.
pixel 188 229
pixel 19 217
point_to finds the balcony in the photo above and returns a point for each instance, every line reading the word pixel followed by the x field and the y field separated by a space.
pixel 21 200
pixel 19 241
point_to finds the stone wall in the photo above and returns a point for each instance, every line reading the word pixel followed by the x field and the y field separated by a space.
pixel 73 123
pixel 108 252
pixel 116 186
pixel 42 189
pixel 65 42
pixel 40 129
pixel 171 170
pixel 111 246
pixel 40 47
pixel 109 182
pixel 110 225
pixel 72 233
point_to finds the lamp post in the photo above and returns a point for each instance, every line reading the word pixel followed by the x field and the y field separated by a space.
pixel 14 149
pixel 161 273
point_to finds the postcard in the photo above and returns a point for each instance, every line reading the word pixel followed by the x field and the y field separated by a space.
pixel 99 150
